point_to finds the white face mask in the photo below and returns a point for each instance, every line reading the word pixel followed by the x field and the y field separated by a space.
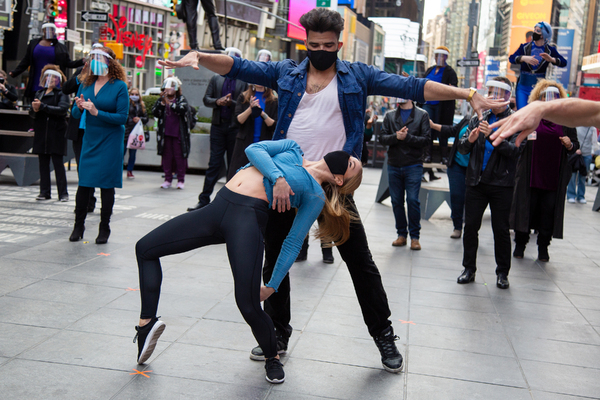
pixel 134 98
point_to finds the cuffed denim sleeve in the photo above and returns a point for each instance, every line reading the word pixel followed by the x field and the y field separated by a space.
pixel 260 73
pixel 384 84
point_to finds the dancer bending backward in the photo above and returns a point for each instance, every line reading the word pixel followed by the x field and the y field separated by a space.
pixel 312 113
pixel 534 58
pixel 238 217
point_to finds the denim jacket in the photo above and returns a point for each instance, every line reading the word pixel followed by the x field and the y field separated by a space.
pixel 283 158
pixel 356 81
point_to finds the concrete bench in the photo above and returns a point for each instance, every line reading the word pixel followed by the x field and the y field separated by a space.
pixel 25 167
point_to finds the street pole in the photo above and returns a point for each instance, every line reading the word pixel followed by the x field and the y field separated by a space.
pixel 473 18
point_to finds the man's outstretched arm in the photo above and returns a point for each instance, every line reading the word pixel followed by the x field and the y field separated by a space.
pixel 437 91
pixel 219 63
pixel 567 112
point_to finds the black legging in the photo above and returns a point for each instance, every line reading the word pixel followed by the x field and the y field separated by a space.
pixel 234 219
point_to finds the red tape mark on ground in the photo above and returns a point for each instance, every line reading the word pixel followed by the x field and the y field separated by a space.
pixel 406 322
pixel 132 290
pixel 140 373
pixel 103 254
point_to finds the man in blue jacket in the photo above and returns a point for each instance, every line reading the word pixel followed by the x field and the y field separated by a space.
pixel 322 102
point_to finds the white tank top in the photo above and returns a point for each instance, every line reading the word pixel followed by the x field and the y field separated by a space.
pixel 318 125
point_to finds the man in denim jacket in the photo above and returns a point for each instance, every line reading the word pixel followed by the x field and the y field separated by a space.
pixel 322 102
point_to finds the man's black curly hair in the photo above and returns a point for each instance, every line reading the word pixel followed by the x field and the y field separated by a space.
pixel 322 20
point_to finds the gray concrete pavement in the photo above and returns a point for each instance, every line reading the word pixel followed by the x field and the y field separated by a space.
pixel 67 311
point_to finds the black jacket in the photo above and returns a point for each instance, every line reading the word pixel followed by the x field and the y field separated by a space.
pixel 449 131
pixel 180 107
pixel 71 86
pixel 50 123
pixel 447 107
pixel 501 167
pixel 7 100
pixel 134 111
pixel 213 93
pixel 63 60
pixel 402 153
pixel 521 206
pixel 245 135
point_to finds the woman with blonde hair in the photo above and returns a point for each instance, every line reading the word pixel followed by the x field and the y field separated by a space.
pixel 102 104
pixel 49 112
pixel 238 217
pixel 543 173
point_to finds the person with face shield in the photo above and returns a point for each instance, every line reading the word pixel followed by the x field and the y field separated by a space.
pixel 102 105
pixel 40 52
pixel 535 57
pixel 407 133
pixel 221 95
pixel 49 112
pixel 440 112
pixel 490 178
pixel 543 173
pixel 172 135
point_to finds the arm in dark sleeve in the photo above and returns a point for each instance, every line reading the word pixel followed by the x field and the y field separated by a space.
pixel 515 58
pixel 11 93
pixel 572 134
pixel 560 60
pixel 180 106
pixel 159 109
pixel 211 96
pixel 25 62
pixel 509 148
pixel 72 84
pixel 144 117
pixel 464 146
pixel 60 109
pixel 240 107
pixel 453 79
pixel 423 140
pixel 384 84
pixel 449 131
pixel 260 73
pixel 387 136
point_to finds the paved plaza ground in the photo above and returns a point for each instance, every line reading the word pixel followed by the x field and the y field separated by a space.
pixel 67 311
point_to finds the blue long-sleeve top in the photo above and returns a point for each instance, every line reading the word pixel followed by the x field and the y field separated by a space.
pixel 525 50
pixel 356 81
pixel 283 158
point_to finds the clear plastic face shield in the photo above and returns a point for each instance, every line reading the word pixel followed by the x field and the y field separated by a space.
pixel 170 87
pixel 233 52
pixel 498 90
pixel 49 31
pixel 51 79
pixel 440 57
pixel 99 60
pixel 402 101
pixel 551 93
pixel 264 56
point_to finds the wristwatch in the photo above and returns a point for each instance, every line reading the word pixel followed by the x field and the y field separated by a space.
pixel 471 94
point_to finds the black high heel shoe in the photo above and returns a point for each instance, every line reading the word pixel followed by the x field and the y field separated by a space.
pixel 103 234
pixel 77 233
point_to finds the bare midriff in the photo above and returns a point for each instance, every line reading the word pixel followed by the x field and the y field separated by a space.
pixel 248 182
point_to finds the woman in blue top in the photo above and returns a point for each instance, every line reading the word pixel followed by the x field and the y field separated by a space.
pixel 102 104
pixel 238 217
pixel 534 58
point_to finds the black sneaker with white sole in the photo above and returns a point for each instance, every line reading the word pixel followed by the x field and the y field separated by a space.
pixel 274 368
pixel 146 337
pixel 390 356
pixel 257 354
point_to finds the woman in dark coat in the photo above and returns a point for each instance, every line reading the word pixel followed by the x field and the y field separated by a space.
pixel 173 134
pixel 49 111
pixel 39 53
pixel 256 115
pixel 543 173
pixel 137 112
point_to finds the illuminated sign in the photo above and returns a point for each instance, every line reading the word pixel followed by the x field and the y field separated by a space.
pixel 129 39
pixel 296 9
pixel 401 37
pixel 525 14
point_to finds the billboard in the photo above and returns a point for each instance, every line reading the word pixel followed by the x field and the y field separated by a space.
pixel 401 37
pixel 525 14
pixel 296 9
pixel 564 45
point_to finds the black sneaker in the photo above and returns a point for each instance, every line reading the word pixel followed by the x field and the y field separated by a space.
pixel 390 356
pixel 275 373
pixel 257 354
pixel 146 337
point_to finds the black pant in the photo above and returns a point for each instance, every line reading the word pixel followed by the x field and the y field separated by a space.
pixel 541 217
pixel 59 173
pixel 477 199
pixel 355 253
pixel 234 219
pixel 222 140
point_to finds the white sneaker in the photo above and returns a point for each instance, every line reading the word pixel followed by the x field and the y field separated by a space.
pixel 571 201
pixel 165 185
pixel 180 185
pixel 582 201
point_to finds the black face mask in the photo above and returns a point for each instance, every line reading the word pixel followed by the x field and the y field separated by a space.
pixel 536 36
pixel 1 80
pixel 337 161
pixel 321 59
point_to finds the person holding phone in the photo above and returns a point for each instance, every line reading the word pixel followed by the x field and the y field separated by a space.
pixel 8 93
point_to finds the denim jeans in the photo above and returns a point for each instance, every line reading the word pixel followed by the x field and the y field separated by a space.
pixel 406 179
pixel 131 161
pixel 576 188
pixel 456 178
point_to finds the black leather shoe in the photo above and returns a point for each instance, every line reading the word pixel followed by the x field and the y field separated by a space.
pixel 502 281
pixel 196 207
pixel 467 276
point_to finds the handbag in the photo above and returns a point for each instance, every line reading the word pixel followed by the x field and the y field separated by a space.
pixel 577 164
pixel 137 139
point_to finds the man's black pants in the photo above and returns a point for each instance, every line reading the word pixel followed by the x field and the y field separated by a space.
pixel 222 140
pixel 357 256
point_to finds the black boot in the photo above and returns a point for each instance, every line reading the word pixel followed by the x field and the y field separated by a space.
pixel 213 22
pixel 104 230
pixel 327 255
pixel 79 228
